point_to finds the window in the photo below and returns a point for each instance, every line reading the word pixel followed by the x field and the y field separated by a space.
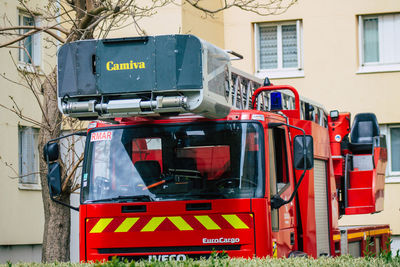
pixel 278 47
pixel 175 162
pixel 379 42
pixel 28 155
pixel 394 149
pixel 31 44
pixel 278 149
pixel 278 170
pixel 392 133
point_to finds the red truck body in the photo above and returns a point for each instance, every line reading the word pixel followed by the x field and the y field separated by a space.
pixel 252 172
pixel 242 227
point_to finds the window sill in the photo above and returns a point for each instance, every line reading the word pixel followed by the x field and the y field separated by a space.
pixel 277 74
pixel 26 67
pixel 378 68
pixel 393 179
pixel 29 187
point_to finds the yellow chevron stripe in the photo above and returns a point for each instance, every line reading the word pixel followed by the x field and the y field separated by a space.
pixel 126 225
pixel 101 225
pixel 207 222
pixel 235 221
pixel 180 223
pixel 152 225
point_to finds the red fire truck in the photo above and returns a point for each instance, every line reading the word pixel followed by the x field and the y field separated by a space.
pixel 186 155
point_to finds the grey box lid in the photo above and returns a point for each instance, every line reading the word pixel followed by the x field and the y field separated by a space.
pixel 130 65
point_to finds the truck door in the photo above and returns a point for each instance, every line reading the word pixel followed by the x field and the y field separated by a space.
pixel 281 182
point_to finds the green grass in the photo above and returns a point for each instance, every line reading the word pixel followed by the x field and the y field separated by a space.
pixel 221 261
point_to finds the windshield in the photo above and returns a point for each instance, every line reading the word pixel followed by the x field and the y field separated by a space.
pixel 174 162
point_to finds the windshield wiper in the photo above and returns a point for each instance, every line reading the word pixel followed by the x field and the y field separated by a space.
pixel 119 198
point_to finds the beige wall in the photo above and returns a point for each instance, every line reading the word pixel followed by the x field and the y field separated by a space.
pixel 391 211
pixel 207 27
pixel 165 20
pixel 180 18
pixel 330 66
pixel 330 55
pixel 21 210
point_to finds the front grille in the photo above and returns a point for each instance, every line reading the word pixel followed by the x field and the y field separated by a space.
pixel 167 249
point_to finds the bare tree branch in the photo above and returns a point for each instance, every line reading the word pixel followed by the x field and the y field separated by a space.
pixel 18 112
pixel 85 22
pixel 35 30
pixel 72 173
pixel 55 27
pixel 14 82
pixel 262 8
pixel 29 83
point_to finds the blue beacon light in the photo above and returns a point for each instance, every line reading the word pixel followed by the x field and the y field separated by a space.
pixel 276 101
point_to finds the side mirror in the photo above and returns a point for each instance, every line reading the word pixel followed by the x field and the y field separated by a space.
pixel 303 144
pixel 54 179
pixel 51 151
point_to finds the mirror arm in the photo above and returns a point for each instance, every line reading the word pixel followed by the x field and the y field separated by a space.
pixel 64 204
pixel 47 160
pixel 68 135
pixel 276 200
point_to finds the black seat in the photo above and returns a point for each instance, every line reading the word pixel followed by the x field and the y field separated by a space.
pixel 364 133
pixel 149 170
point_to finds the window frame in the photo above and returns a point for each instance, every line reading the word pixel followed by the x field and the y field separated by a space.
pixel 390 176
pixel 36 43
pixel 21 183
pixel 389 149
pixel 380 66
pixel 279 72
pixel 273 134
pixel 87 170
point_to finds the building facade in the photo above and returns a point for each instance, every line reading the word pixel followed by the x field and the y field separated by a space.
pixel 21 205
pixel 342 54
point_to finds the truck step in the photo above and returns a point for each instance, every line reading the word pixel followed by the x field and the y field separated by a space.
pixel 359 210
pixel 361 179
pixel 359 197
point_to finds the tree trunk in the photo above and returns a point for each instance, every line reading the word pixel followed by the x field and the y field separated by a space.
pixel 56 235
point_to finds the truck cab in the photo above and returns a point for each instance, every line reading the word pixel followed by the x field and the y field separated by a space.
pixel 197 157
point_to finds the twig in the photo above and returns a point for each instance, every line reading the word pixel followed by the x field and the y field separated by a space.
pixel 72 173
pixel 55 27
pixel 27 34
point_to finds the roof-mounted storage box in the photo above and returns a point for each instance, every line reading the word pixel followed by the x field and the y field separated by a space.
pixel 143 76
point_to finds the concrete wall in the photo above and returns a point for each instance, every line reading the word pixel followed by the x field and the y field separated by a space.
pixel 20 253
